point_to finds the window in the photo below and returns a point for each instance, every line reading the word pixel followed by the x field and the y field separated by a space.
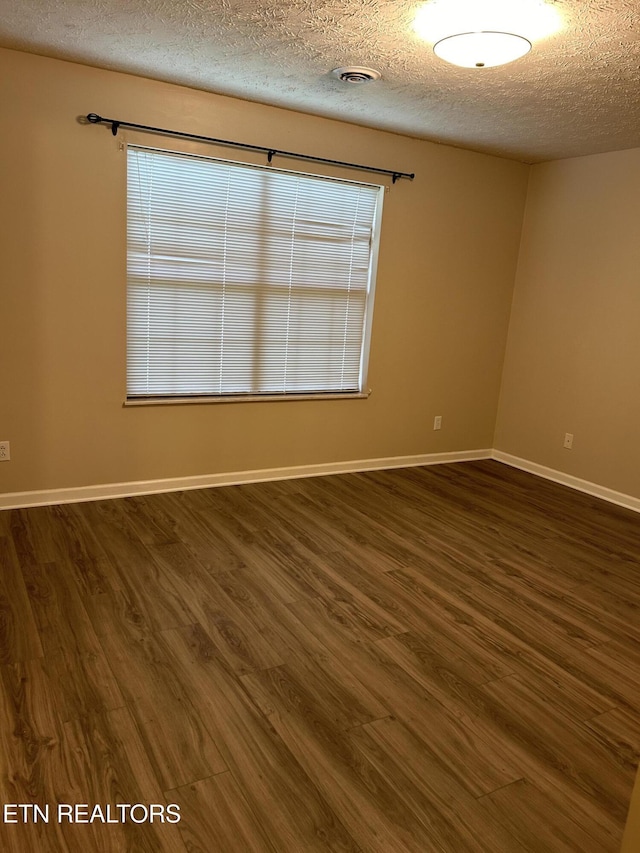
pixel 246 281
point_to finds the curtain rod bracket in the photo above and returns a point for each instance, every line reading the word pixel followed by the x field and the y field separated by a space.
pixel 94 118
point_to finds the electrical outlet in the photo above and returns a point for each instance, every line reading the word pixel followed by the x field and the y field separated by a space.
pixel 568 440
pixel 5 453
pixel 437 422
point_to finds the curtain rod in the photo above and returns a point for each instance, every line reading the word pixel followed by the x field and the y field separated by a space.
pixel 93 118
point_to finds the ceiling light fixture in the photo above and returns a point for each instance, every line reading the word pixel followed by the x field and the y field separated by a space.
pixel 481 50
pixel 485 33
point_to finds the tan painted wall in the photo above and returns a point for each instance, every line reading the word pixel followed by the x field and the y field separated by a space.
pixel 447 262
pixel 573 355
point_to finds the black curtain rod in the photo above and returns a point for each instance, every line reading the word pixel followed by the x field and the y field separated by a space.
pixel 93 118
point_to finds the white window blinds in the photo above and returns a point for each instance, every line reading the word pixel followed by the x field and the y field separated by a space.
pixel 244 280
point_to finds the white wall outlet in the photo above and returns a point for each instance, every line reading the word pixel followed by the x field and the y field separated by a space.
pixel 5 452
pixel 437 422
pixel 568 440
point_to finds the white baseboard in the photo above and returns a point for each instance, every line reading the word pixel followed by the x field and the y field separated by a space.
pixel 46 497
pixel 594 489
pixel 19 500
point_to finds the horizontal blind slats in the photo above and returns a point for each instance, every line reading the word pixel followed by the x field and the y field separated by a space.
pixel 244 280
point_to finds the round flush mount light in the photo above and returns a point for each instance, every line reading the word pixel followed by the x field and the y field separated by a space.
pixel 356 74
pixel 482 49
pixel 486 33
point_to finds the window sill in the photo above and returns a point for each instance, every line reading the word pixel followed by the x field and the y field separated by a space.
pixel 249 398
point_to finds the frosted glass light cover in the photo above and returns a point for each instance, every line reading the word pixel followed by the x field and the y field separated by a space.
pixel 482 49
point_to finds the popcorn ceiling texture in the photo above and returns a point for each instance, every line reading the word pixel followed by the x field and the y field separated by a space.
pixel 577 92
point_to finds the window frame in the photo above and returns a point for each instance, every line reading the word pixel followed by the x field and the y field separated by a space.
pixel 363 391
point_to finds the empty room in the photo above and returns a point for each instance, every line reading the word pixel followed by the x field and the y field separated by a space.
pixel 319 426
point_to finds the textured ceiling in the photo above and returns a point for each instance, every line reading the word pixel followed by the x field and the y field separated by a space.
pixel 577 92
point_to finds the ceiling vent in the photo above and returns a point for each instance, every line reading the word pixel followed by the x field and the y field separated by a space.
pixel 356 74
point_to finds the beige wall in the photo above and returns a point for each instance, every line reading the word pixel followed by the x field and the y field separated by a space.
pixel 573 355
pixel 447 262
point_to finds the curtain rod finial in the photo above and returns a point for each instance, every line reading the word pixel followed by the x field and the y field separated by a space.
pixel 94 118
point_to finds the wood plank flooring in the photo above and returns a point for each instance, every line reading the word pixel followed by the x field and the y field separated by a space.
pixel 433 660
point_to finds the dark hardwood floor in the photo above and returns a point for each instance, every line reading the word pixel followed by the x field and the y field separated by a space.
pixel 438 659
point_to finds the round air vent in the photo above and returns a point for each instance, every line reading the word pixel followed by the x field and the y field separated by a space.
pixel 356 74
